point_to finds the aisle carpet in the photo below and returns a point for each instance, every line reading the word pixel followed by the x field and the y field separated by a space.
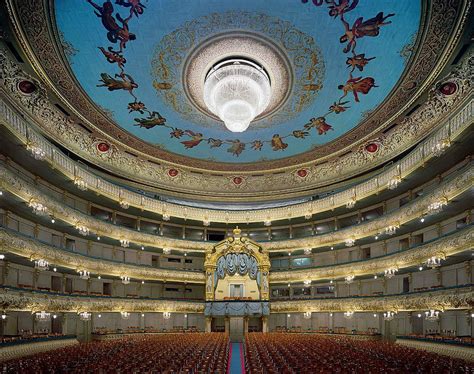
pixel 236 359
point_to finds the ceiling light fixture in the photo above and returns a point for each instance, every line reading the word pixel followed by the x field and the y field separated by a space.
pixel 237 91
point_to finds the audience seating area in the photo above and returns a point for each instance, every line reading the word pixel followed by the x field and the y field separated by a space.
pixel 167 353
pixel 312 353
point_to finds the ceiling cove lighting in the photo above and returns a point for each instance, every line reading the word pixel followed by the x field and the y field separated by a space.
pixel 237 91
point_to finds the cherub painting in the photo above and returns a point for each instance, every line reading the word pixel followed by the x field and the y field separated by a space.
pixel 196 138
pixel 126 83
pixel 361 28
pixel 236 148
pixel 319 124
pixel 356 86
pixel 358 61
pixel 154 119
pixel 115 33
pixel 278 144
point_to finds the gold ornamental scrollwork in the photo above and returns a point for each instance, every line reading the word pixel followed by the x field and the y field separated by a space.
pixel 460 182
pixel 444 299
pixel 13 299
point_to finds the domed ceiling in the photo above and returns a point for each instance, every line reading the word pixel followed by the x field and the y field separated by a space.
pixel 332 66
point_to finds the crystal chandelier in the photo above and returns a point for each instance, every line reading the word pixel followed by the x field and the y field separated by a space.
pixel 37 207
pixel 432 315
pixel 349 242
pixel 37 152
pixel 433 262
pixel 85 316
pixel 124 204
pixel 124 243
pixel 436 207
pixel 43 316
pixel 349 279
pixel 390 273
pixel 166 315
pixel 42 265
pixel 125 279
pixel 125 315
pixel 439 148
pixel 388 316
pixel 348 315
pixel 307 315
pixel 80 183
pixel 391 230
pixel 83 230
pixel 84 274
pixel 237 91
pixel 351 203
pixel 394 182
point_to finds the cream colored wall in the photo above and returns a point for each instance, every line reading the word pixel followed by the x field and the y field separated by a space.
pixel 250 287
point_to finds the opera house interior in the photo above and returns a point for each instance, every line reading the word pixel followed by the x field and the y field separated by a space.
pixel 236 186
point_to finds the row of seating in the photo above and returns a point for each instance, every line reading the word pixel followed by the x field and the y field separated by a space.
pixel 163 353
pixel 313 353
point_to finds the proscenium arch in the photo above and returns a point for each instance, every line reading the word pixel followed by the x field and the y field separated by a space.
pixel 237 245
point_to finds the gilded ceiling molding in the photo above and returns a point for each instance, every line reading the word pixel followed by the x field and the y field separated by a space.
pixel 445 192
pixel 444 299
pixel 447 134
pixel 441 248
pixel 206 185
pixel 15 300
pixel 35 250
pixel 441 26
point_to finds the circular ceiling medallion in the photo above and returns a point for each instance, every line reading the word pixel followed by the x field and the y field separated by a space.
pixel 103 147
pixel 448 88
pixel 302 173
pixel 238 180
pixel 292 60
pixel 247 46
pixel 173 173
pixel 372 147
pixel 26 87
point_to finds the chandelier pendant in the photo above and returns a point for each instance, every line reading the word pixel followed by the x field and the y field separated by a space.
pixel 237 91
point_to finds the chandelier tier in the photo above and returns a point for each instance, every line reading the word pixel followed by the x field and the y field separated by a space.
pixel 237 91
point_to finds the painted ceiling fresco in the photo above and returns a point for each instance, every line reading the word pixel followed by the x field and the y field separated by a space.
pixel 346 57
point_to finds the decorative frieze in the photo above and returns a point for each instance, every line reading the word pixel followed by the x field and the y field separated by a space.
pixel 441 300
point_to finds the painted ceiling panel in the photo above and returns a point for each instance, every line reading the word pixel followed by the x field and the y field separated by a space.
pixel 343 60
